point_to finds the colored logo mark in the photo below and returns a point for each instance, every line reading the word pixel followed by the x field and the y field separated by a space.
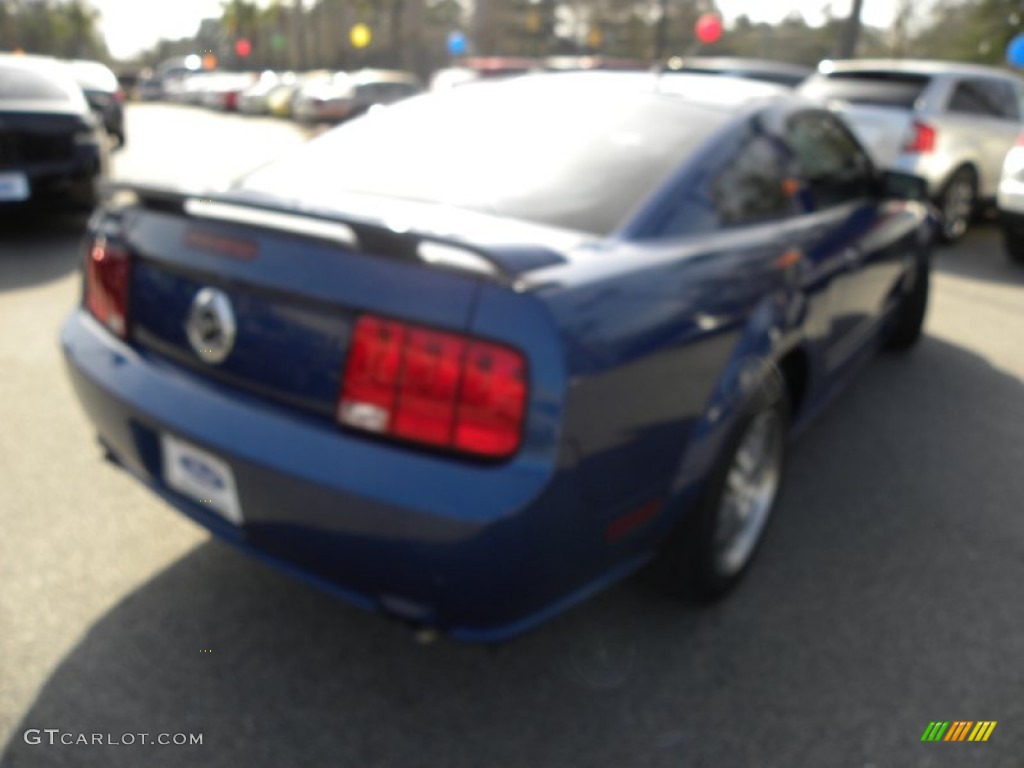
pixel 959 730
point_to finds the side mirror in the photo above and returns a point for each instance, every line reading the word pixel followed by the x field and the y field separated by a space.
pixel 893 185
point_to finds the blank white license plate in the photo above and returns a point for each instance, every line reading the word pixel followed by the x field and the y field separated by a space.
pixel 202 477
pixel 13 186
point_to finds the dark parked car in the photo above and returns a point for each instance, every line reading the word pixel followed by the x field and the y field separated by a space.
pixel 104 94
pixel 53 149
pixel 469 374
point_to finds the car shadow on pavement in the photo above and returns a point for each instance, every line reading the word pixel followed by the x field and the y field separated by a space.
pixel 862 619
pixel 979 256
pixel 39 247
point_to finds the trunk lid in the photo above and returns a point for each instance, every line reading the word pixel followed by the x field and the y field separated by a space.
pixel 294 296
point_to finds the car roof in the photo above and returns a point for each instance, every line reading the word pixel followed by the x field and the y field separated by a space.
pixel 93 74
pixel 739 62
pixel 911 66
pixel 29 60
pixel 709 91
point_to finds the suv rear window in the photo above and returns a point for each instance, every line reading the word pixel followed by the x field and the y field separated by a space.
pixel 885 89
pixel 21 84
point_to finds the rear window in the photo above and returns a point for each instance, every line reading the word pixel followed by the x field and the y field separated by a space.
pixel 885 89
pixel 94 76
pixel 559 153
pixel 23 84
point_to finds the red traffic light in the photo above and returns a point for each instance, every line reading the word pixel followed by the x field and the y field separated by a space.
pixel 709 28
pixel 243 47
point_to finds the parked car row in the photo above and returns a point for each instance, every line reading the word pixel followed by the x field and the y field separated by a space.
pixel 318 96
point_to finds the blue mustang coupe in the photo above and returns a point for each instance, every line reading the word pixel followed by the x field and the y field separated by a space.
pixel 473 357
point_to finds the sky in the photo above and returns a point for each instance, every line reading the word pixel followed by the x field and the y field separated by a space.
pixel 131 26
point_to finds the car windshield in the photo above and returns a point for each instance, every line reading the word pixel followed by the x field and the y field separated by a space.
pixel 22 84
pixel 887 89
pixel 563 154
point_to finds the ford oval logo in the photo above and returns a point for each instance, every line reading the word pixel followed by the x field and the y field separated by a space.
pixel 202 472
pixel 210 326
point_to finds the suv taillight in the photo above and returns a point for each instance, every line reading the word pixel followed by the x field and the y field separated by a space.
pixel 432 387
pixel 107 272
pixel 920 139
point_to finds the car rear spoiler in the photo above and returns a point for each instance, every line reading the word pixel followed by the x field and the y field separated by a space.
pixel 350 231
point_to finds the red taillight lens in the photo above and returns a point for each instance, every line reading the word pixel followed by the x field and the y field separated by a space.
pixel 107 272
pixel 433 387
pixel 491 402
pixel 119 96
pixel 921 138
pixel 1020 140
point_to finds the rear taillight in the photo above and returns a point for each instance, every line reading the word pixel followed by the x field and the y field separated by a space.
pixel 107 271
pixel 1020 140
pixel 119 96
pixel 432 387
pixel 920 139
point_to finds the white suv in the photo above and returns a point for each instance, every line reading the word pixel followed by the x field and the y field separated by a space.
pixel 1011 201
pixel 948 122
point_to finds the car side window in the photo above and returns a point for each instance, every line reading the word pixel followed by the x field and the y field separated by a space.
pixel 1009 99
pixel 835 166
pixel 750 188
pixel 988 98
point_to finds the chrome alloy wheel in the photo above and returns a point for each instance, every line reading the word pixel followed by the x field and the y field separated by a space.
pixel 957 207
pixel 751 486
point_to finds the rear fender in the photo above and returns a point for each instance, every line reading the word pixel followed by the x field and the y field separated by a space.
pixel 752 370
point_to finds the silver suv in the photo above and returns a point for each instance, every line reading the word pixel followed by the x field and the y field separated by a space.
pixel 948 122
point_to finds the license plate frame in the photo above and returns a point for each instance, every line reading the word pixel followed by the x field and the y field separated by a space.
pixel 203 477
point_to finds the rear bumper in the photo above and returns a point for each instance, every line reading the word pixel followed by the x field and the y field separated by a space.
pixel 426 539
pixel 1011 198
pixel 1012 223
pixel 67 182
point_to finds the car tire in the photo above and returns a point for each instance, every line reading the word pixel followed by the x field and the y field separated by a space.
pixel 957 202
pixel 913 305
pixel 1014 247
pixel 704 560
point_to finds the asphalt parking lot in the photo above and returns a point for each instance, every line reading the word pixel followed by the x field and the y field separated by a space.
pixel 888 594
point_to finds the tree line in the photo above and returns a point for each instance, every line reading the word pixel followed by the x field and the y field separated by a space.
pixel 414 34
